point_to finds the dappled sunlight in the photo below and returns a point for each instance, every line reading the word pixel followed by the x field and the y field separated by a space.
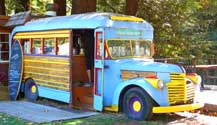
pixel 74 122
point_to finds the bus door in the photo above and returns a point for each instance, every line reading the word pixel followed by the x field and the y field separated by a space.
pixel 98 69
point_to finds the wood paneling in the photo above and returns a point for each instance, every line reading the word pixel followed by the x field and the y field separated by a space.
pixel 79 70
pixel 82 97
pixel 126 74
pixel 50 72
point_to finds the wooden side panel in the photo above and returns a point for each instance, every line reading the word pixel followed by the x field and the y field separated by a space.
pixel 79 70
pixel 126 74
pixel 82 97
pixel 50 72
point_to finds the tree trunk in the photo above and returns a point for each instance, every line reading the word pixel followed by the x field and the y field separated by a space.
pixel 61 11
pixel 22 5
pixel 83 6
pixel 131 7
pixel 91 6
pixel 2 7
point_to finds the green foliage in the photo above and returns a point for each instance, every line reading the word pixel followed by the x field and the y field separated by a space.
pixel 114 6
pixel 101 119
pixel 204 32
pixel 181 26
pixel 179 30
pixel 39 6
pixel 170 19
pixel 10 6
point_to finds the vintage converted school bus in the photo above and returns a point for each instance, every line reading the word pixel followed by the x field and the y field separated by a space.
pixel 125 77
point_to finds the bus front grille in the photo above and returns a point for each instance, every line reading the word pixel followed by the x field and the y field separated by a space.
pixel 180 90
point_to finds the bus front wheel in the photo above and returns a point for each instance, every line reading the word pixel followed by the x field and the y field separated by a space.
pixel 31 90
pixel 137 105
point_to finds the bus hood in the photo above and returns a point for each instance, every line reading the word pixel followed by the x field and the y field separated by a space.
pixel 144 65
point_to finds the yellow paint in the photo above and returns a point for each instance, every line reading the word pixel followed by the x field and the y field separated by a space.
pixel 33 89
pixel 178 90
pixel 153 82
pixel 50 72
pixel 57 59
pixel 113 108
pixel 43 68
pixel 48 75
pixel 126 18
pixel 49 62
pixel 194 79
pixel 137 106
pixel 50 81
pixel 178 108
pixel 45 34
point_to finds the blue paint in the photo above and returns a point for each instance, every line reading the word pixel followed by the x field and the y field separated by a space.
pixel 113 84
pixel 98 63
pixel 165 76
pixel 54 94
pixel 146 32
pixel 97 103
pixel 142 65
pixel 160 96
pixel 85 21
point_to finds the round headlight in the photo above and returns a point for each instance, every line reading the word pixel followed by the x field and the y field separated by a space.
pixel 160 84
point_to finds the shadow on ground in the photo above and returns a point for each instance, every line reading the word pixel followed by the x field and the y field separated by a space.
pixel 183 118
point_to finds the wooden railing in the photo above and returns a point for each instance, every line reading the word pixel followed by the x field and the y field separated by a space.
pixel 207 68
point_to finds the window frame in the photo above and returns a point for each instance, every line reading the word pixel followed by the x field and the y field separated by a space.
pixel 46 34
pixel 131 46
pixel 2 52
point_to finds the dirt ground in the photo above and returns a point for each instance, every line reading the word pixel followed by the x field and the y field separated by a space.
pixel 181 118
pixel 3 92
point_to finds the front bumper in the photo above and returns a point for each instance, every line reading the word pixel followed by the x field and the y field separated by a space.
pixel 177 108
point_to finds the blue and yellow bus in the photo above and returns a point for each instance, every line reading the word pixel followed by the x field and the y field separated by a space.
pixel 102 61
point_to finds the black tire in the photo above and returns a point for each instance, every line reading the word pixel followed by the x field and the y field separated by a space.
pixel 137 104
pixel 31 90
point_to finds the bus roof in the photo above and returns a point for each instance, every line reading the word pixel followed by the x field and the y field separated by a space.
pixel 85 21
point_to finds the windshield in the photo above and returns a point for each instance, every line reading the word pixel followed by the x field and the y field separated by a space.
pixel 129 48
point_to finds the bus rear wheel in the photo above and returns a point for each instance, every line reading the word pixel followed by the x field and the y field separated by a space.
pixel 31 90
pixel 137 105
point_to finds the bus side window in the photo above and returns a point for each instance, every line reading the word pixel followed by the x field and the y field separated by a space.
pixel 63 46
pixel 36 46
pixel 99 45
pixel 49 46
pixel 26 46
pixel 4 46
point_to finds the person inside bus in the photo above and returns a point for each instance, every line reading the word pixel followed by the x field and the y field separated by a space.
pixel 88 45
